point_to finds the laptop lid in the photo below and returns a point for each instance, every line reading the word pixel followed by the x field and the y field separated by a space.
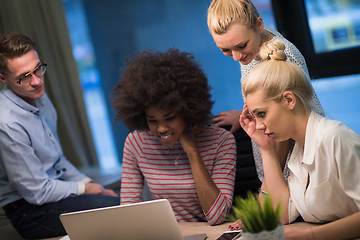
pixel 145 220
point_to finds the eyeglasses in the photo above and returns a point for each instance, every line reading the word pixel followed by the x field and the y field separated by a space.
pixel 39 71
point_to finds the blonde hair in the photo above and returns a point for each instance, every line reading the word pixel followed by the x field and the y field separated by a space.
pixel 222 13
pixel 276 75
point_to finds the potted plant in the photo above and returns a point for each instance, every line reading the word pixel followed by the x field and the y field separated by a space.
pixel 260 220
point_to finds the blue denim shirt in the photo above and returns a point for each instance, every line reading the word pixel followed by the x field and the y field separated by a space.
pixel 32 164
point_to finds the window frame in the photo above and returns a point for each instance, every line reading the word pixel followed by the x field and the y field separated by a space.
pixel 291 20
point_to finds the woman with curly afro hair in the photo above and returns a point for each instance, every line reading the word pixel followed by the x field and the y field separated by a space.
pixel 164 99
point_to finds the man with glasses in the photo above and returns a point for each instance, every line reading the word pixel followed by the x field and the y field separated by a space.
pixel 37 182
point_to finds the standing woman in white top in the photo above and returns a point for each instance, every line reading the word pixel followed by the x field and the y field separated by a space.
pixel 323 184
pixel 239 31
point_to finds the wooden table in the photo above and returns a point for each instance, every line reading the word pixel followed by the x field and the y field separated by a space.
pixel 213 232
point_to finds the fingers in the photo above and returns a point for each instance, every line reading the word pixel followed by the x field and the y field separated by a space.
pixel 223 113
pixel 247 112
pixel 110 192
pixel 93 188
pixel 243 120
pixel 219 121
pixel 246 115
pixel 235 225
pixel 220 117
pixel 228 118
pixel 247 122
pixel 236 126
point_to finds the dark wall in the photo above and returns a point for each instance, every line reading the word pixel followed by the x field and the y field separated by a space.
pixel 119 28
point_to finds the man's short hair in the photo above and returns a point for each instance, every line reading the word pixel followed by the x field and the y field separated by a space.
pixel 13 45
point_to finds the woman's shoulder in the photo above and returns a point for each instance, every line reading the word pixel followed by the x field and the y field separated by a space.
pixel 289 46
pixel 330 130
pixel 292 52
pixel 140 135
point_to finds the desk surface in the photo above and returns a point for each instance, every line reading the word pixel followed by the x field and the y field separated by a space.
pixel 192 228
pixel 213 232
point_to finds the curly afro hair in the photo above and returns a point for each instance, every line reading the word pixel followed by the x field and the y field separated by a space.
pixel 170 80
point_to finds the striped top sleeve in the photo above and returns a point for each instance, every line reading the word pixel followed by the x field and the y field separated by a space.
pixel 168 174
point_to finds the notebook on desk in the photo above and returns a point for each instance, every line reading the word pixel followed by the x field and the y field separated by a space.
pixel 145 220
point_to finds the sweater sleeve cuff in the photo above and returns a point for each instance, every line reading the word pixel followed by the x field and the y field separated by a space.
pixel 81 188
pixel 86 180
pixel 218 211
pixel 81 185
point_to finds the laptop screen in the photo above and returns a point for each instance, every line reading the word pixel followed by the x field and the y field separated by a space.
pixel 145 220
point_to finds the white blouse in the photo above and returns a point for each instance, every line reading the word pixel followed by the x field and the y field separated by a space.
pixel 329 164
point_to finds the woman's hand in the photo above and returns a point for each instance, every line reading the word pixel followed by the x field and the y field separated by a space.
pixel 187 140
pixel 248 123
pixel 228 118
pixel 206 189
pixel 237 225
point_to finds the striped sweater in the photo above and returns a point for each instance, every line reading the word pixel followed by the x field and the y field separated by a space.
pixel 168 173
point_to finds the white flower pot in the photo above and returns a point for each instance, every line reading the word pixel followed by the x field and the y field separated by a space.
pixel 276 234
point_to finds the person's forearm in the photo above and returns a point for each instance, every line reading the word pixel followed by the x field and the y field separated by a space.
pixel 282 149
pixel 345 228
pixel 275 182
pixel 206 189
pixel 131 188
pixel 52 191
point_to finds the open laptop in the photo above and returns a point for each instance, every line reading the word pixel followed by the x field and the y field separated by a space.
pixel 145 220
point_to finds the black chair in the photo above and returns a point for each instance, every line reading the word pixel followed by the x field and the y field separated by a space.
pixel 246 177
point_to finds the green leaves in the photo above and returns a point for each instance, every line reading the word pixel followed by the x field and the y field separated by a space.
pixel 256 216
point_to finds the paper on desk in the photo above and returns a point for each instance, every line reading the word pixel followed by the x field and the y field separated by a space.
pixel 65 238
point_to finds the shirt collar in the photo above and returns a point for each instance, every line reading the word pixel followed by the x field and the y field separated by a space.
pixel 20 102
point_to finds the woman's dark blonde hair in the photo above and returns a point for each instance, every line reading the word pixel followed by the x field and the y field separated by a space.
pixel 276 75
pixel 222 13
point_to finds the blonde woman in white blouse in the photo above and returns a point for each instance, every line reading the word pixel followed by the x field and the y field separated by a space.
pixel 324 182
pixel 239 32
